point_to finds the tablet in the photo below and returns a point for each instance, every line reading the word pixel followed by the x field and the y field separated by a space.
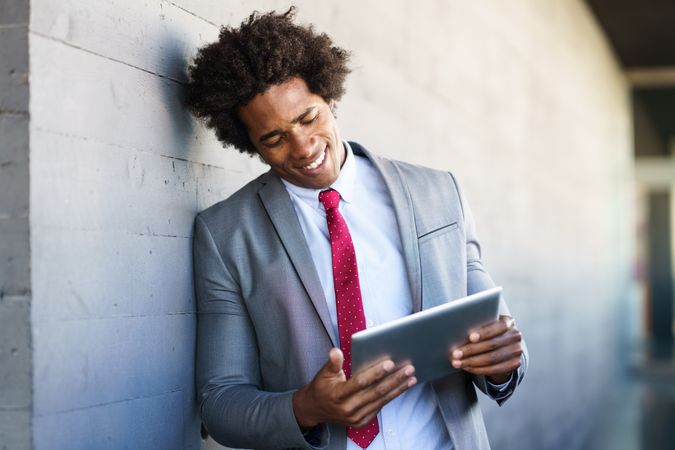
pixel 424 339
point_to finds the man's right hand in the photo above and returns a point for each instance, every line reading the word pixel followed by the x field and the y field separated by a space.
pixel 330 397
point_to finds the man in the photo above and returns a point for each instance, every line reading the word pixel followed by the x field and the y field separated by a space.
pixel 331 240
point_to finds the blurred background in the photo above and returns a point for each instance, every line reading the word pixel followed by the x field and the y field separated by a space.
pixel 557 116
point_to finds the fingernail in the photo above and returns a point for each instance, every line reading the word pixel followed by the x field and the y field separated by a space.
pixel 412 381
pixel 387 366
pixel 457 354
pixel 474 337
pixel 456 364
pixel 409 371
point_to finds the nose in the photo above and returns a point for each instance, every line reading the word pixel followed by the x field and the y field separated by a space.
pixel 302 143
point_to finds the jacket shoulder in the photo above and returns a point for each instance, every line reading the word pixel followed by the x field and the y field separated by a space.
pixel 429 191
pixel 235 207
pixel 408 171
pixel 421 173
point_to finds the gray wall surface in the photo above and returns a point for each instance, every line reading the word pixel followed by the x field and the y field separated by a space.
pixel 524 102
pixel 117 174
pixel 15 295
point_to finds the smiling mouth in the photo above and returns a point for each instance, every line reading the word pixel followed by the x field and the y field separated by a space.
pixel 317 162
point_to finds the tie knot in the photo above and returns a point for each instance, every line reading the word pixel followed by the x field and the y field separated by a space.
pixel 330 198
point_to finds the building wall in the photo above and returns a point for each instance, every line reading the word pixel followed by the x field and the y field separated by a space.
pixel 525 104
pixel 118 170
pixel 15 295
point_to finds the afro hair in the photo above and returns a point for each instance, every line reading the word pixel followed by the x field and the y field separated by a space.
pixel 266 50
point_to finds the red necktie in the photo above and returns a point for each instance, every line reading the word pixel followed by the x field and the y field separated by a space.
pixel 347 297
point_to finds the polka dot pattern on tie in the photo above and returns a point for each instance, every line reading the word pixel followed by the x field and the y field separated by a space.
pixel 349 303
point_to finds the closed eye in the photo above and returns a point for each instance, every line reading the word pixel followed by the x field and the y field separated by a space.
pixel 309 121
pixel 276 137
pixel 273 144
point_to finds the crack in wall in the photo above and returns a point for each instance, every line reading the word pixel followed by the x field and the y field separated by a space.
pixel 100 55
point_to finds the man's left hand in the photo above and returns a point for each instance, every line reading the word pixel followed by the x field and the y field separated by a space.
pixel 493 350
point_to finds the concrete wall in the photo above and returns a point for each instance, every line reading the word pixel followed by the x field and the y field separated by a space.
pixel 117 173
pixel 15 295
pixel 524 102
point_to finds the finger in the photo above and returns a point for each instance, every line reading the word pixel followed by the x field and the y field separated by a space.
pixel 492 329
pixel 499 369
pixel 334 364
pixel 371 409
pixel 512 351
pixel 510 337
pixel 376 391
pixel 494 357
pixel 362 416
pixel 383 387
pixel 366 377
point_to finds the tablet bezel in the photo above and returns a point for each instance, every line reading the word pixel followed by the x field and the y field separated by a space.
pixel 424 339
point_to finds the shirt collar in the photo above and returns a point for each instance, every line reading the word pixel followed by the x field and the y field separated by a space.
pixel 345 183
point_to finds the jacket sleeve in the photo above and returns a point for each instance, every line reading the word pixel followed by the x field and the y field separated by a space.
pixel 479 280
pixel 233 407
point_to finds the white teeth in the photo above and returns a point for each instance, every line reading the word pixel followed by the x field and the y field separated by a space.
pixel 318 162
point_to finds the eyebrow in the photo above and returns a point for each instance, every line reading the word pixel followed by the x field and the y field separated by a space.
pixel 273 133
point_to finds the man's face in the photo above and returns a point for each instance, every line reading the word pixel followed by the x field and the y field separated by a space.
pixel 295 133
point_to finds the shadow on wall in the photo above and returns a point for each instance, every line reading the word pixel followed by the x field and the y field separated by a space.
pixel 174 93
pixel 180 123
pixel 176 63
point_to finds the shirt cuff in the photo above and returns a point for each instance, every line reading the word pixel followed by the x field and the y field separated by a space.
pixel 498 391
pixel 317 437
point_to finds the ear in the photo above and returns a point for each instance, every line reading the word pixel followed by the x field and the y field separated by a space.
pixel 331 105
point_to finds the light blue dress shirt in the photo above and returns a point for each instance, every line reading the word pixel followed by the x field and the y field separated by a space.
pixel 413 419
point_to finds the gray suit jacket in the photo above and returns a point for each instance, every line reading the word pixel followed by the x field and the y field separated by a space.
pixel 263 325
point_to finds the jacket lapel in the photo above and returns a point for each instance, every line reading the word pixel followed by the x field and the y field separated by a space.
pixel 405 218
pixel 280 210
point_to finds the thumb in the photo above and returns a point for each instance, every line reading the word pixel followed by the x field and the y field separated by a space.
pixel 335 361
